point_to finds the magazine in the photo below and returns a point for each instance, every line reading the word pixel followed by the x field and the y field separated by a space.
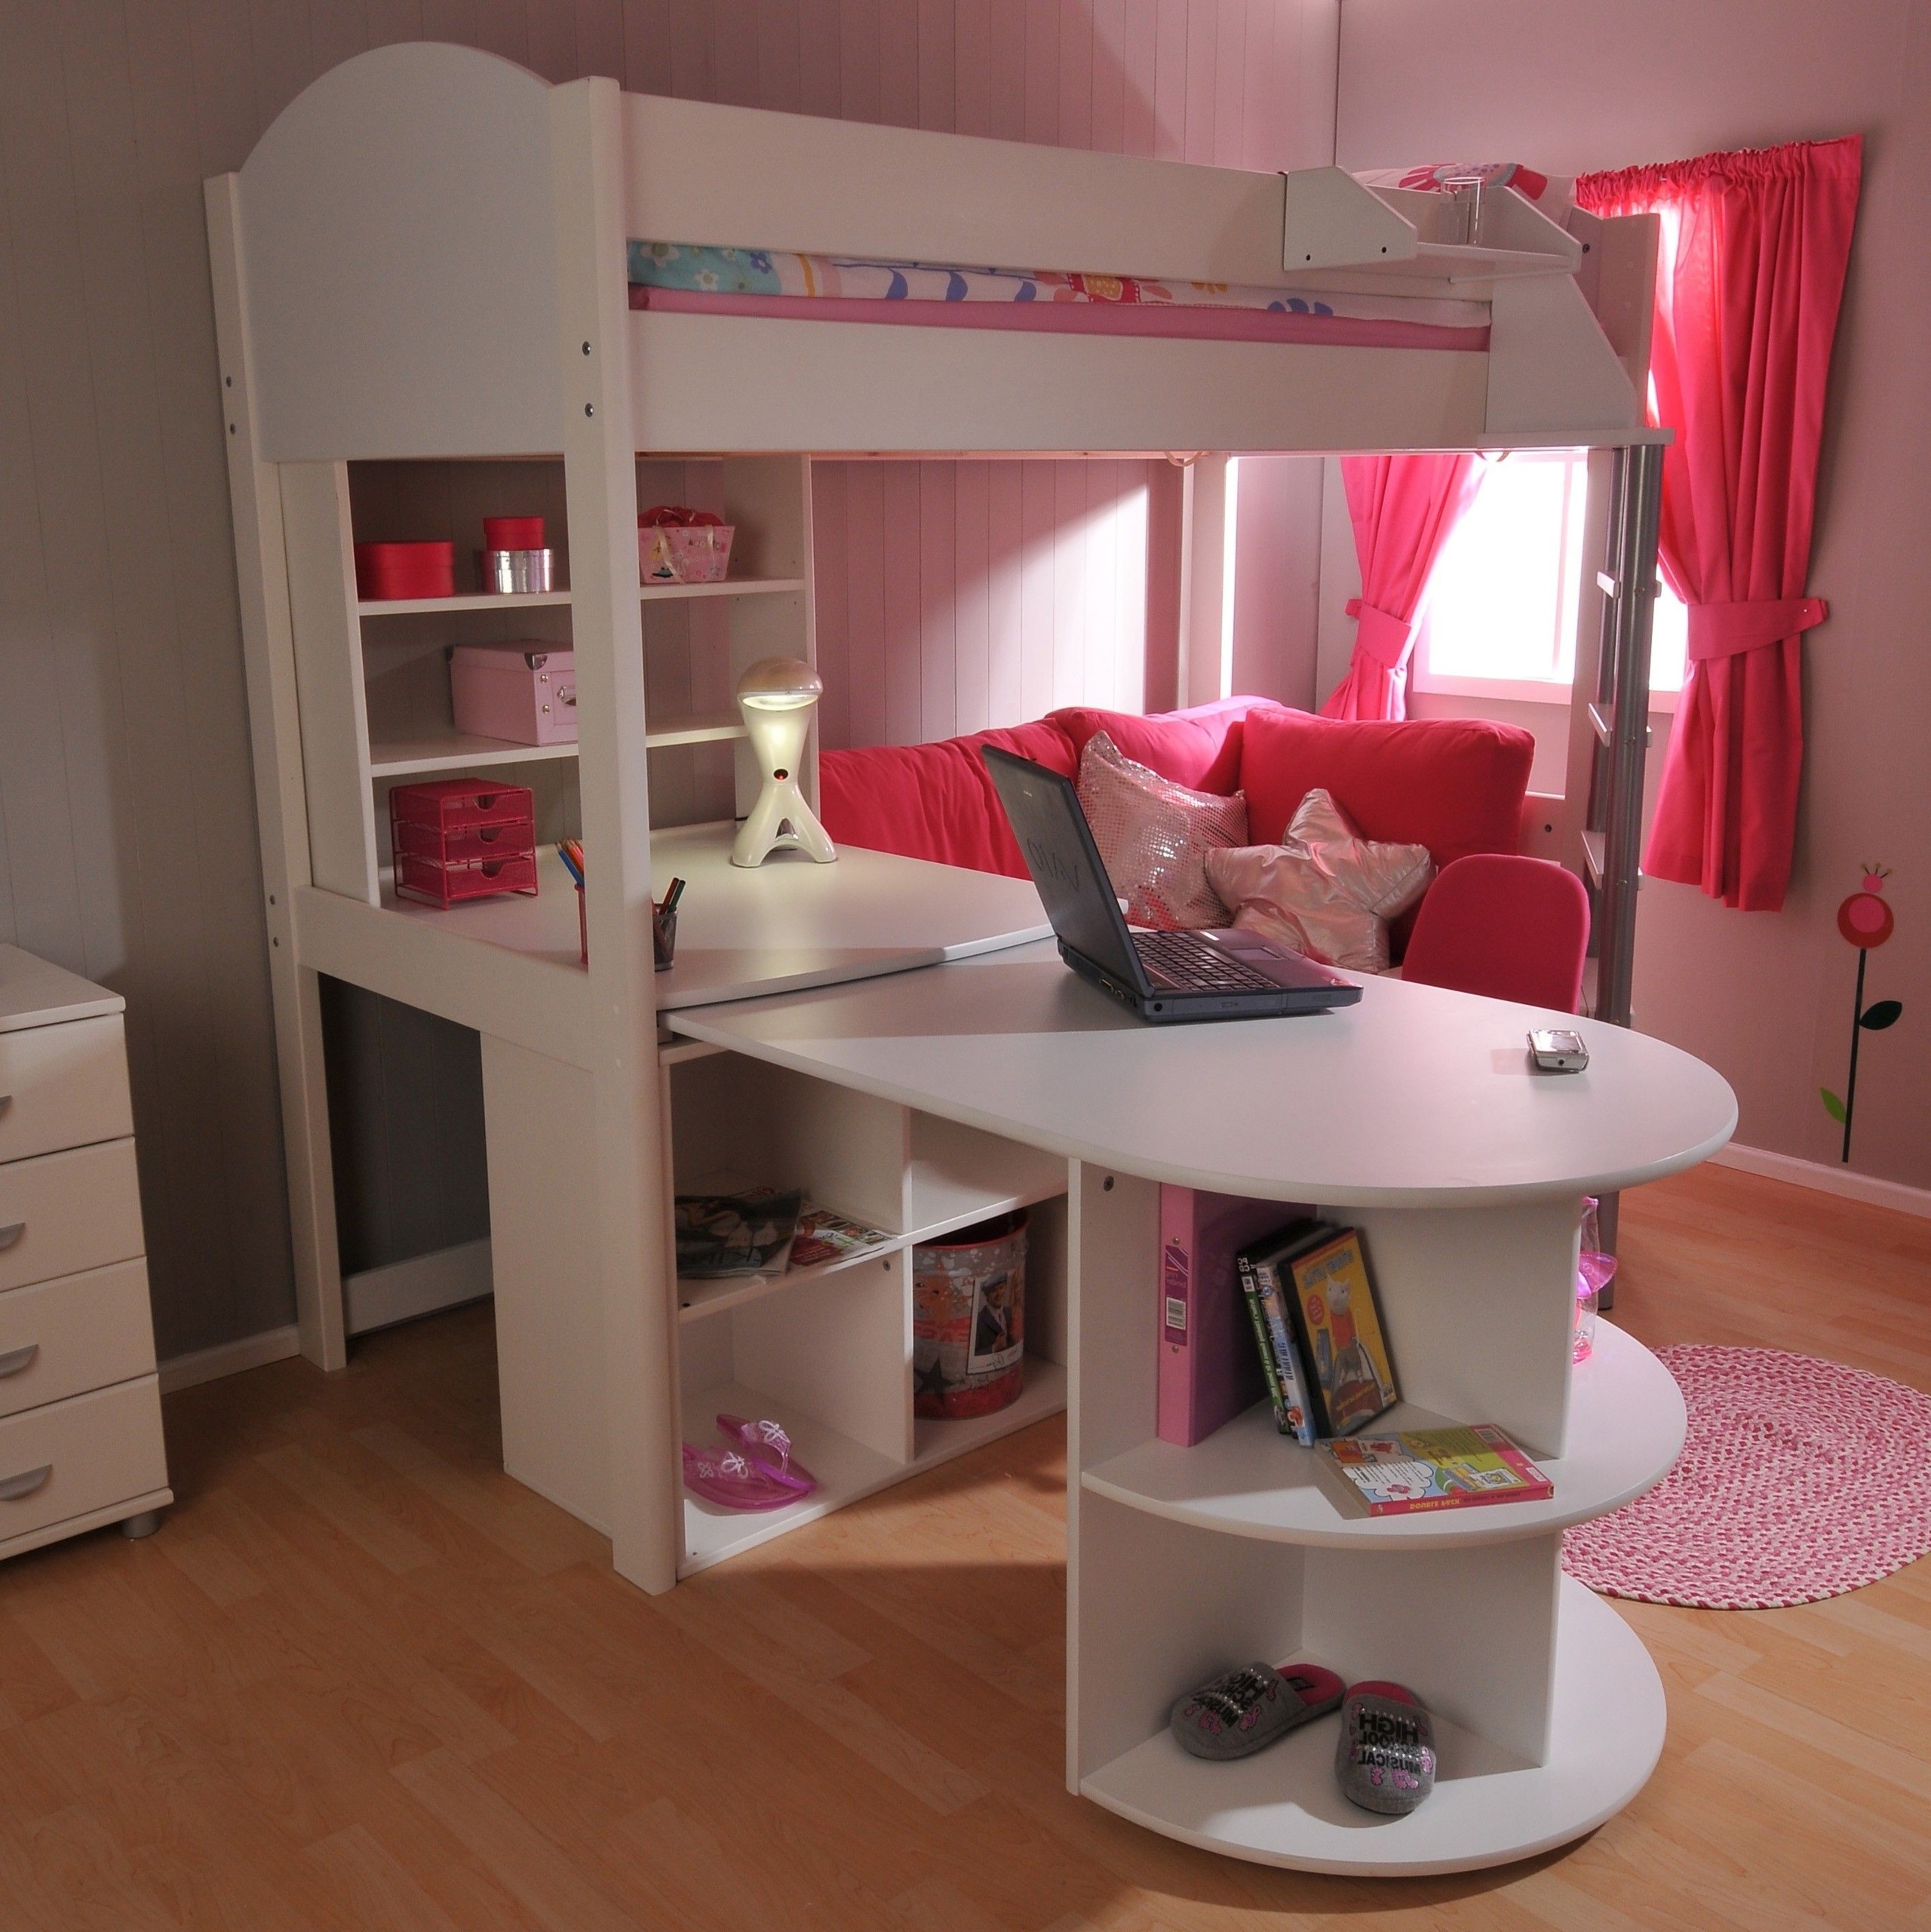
pixel 1428 1469
pixel 824 1236
pixel 746 1233
pixel 1352 1380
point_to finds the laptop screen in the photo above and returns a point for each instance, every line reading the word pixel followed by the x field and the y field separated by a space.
pixel 1057 844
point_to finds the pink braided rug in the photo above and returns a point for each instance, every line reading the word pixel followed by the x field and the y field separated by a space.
pixel 1800 1479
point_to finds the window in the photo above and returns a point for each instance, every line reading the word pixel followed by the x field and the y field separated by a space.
pixel 1499 619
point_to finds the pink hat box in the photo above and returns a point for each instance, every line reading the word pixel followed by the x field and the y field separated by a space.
pixel 384 571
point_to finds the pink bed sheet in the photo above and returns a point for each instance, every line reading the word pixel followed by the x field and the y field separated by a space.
pixel 1187 324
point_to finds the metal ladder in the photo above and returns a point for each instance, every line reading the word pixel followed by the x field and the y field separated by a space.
pixel 1618 718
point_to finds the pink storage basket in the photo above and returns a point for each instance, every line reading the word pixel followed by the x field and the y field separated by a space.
pixel 674 554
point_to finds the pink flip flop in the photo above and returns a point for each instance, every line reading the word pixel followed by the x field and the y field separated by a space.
pixel 767 1444
pixel 727 1478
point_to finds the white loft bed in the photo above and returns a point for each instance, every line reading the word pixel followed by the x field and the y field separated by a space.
pixel 420 277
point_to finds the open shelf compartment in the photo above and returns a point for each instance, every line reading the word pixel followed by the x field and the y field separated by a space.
pixel 827 1351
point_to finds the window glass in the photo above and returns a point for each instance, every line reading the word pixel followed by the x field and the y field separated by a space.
pixel 1501 605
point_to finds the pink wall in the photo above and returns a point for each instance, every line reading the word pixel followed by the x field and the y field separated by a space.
pixel 1574 85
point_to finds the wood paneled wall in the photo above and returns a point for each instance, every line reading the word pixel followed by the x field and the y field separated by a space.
pixel 126 833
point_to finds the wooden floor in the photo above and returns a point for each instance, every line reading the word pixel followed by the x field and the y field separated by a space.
pixel 361 1679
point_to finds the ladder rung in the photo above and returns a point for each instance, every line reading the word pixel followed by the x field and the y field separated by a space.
pixel 1603 725
pixel 1592 855
pixel 1609 585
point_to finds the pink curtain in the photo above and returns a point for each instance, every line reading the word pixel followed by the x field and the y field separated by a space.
pixel 1402 508
pixel 1746 311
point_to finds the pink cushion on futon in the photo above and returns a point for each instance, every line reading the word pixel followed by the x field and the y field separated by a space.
pixel 1199 748
pixel 1453 785
pixel 934 801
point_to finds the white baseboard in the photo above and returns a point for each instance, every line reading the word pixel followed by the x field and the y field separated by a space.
pixel 400 1292
pixel 1845 1181
pixel 230 1358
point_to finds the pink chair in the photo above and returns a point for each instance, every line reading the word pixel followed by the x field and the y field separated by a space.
pixel 1512 928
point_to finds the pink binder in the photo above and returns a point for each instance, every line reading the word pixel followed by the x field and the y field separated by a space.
pixel 1209 1369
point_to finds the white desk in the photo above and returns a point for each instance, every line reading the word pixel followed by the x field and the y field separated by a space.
pixel 1416 1116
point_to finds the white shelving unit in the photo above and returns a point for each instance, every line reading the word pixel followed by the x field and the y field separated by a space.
pixel 372 677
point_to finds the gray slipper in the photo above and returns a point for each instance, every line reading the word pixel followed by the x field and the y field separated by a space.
pixel 1385 1757
pixel 1246 1709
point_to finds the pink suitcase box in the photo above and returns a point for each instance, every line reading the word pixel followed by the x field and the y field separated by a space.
pixel 523 693
pixel 675 545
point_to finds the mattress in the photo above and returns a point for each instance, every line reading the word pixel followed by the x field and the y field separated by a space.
pixel 680 277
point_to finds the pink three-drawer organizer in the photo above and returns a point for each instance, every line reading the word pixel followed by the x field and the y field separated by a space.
pixel 457 839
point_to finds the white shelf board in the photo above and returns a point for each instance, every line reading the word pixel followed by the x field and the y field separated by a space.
pixel 706 728
pixel 454 750
pixel 457 750
pixel 700 1296
pixel 1282 1806
pixel 957 1176
pixel 411 606
pixel 846 1470
pixel 1626 1424
pixel 730 586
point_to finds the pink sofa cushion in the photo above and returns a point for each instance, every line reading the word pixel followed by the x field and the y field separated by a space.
pixel 934 801
pixel 1199 748
pixel 1453 785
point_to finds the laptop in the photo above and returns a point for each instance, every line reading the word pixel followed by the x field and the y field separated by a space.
pixel 1219 974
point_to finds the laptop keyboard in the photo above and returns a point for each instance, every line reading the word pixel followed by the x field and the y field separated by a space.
pixel 1192 963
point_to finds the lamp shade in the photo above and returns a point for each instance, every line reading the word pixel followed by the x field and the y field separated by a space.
pixel 779 684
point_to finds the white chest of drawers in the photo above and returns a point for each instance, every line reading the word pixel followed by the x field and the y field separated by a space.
pixel 80 1407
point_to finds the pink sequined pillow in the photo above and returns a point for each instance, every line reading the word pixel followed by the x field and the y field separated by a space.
pixel 1155 836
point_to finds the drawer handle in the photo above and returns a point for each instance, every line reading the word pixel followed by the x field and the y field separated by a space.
pixel 13 1488
pixel 10 1233
pixel 6 1101
pixel 15 1359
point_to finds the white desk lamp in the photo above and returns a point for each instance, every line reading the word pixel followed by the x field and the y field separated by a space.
pixel 776 695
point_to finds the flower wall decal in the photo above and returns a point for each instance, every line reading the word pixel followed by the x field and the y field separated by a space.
pixel 1866 920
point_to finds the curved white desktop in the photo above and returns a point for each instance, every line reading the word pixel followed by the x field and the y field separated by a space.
pixel 1416 1116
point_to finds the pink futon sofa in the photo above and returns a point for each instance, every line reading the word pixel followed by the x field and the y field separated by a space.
pixel 1453 785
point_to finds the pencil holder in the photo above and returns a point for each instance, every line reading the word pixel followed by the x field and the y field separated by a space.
pixel 664 937
pixel 583 930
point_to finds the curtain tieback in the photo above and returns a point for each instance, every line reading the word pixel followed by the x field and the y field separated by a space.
pixel 1727 630
pixel 1381 636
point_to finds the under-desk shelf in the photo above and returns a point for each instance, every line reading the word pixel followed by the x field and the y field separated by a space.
pixel 1283 1807
pixel 1626 1428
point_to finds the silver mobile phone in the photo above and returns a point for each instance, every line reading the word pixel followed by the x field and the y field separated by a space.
pixel 1557 1050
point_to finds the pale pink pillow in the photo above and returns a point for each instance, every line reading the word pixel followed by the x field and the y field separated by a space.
pixel 1325 891
pixel 1154 837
